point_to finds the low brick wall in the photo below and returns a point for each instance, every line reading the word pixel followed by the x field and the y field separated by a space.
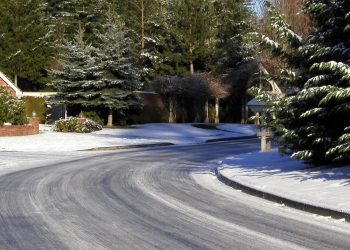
pixel 20 130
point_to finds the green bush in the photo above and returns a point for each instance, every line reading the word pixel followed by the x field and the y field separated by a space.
pixel 93 116
pixel 11 109
pixel 74 125
pixel 36 104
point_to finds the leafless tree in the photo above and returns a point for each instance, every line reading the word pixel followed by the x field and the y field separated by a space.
pixel 189 93
pixel 294 16
pixel 292 11
pixel 194 92
pixel 218 90
pixel 240 79
pixel 167 87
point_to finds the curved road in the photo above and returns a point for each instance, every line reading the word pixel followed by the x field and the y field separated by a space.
pixel 159 198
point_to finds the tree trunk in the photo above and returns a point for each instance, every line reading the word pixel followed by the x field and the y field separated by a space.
pixel 142 24
pixel 263 118
pixel 110 119
pixel 246 110
pixel 206 108
pixel 243 110
pixel 15 79
pixel 257 120
pixel 191 67
pixel 217 119
pixel 184 111
pixel 172 116
pixel 191 53
pixel 65 112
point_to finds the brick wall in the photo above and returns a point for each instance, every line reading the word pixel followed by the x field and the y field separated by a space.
pixel 20 130
pixel 7 88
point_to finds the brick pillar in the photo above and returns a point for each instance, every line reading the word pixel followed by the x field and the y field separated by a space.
pixel 34 121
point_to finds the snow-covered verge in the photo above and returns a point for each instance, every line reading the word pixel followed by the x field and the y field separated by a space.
pixel 248 129
pixel 288 178
pixel 47 140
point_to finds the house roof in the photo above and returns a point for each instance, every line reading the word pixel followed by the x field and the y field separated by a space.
pixel 11 85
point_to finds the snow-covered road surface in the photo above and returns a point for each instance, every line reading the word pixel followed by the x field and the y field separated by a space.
pixel 155 198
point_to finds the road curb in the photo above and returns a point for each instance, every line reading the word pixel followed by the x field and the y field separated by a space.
pixel 163 144
pixel 232 138
pixel 282 200
pixel 129 147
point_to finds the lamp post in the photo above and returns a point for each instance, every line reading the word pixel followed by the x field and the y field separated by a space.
pixel 264 133
pixel 258 107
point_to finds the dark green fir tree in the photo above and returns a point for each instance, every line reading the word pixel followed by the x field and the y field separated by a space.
pixel 188 38
pixel 25 41
pixel 65 17
pixel 315 122
pixel 233 27
pixel 143 19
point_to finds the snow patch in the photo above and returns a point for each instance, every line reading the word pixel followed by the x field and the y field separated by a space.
pixel 49 141
pixel 280 175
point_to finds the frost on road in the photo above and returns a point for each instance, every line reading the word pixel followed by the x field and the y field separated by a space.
pixel 158 198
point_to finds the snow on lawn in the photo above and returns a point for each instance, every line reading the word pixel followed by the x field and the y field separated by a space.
pixel 280 175
pixel 48 140
pixel 248 129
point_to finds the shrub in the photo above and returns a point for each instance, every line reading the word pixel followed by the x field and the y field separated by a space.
pixel 36 104
pixel 91 126
pixel 76 125
pixel 93 116
pixel 11 109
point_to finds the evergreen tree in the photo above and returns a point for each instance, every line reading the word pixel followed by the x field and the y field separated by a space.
pixel 66 16
pixel 233 27
pixel 201 35
pixel 140 16
pixel 315 122
pixel 167 57
pixel 120 77
pixel 78 71
pixel 144 19
pixel 99 77
pixel 61 16
pixel 91 15
pixel 188 36
pixel 194 23
pixel 25 40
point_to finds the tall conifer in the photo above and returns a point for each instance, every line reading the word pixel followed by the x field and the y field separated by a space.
pixel 315 122
pixel 25 40
pixel 66 16
pixel 188 38
pixel 103 76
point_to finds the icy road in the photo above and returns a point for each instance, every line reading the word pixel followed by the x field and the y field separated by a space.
pixel 158 198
